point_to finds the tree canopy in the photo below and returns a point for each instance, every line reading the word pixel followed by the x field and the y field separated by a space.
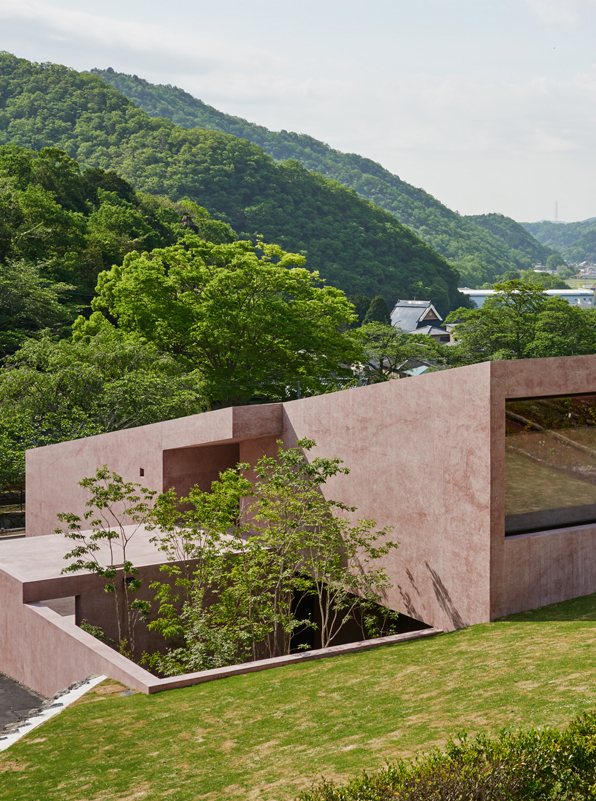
pixel 30 303
pixel 575 241
pixel 390 353
pixel 521 322
pixel 73 223
pixel 103 380
pixel 354 244
pixel 251 318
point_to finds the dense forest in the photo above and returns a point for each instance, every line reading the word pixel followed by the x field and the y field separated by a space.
pixel 514 235
pixel 356 246
pixel 576 241
pixel 477 250
pixel 61 226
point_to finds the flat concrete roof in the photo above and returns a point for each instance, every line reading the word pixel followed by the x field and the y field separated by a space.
pixel 37 558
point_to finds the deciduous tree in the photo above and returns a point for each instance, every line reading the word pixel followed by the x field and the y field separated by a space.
pixel 252 319
pixel 116 511
pixel 520 321
pixel 105 380
pixel 388 352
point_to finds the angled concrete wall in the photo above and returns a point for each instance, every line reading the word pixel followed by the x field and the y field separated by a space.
pixel 419 455
pixel 531 570
pixel 426 456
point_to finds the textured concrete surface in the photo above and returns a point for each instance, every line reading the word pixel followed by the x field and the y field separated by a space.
pixel 53 472
pixel 536 570
pixel 43 647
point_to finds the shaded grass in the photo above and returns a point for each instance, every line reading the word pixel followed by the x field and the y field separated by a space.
pixel 268 735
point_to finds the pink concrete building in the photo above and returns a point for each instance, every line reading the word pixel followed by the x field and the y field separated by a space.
pixel 486 473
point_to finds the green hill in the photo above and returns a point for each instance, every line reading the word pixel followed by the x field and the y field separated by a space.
pixel 355 245
pixel 514 235
pixel 479 253
pixel 269 735
pixel 576 242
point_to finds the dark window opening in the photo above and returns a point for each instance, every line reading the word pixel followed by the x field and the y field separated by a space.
pixel 550 463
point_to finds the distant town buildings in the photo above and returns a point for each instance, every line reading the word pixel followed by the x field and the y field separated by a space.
pixel 585 268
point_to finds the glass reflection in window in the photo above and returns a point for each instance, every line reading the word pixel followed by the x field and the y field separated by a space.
pixel 550 463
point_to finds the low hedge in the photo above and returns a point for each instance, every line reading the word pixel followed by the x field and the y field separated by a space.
pixel 528 764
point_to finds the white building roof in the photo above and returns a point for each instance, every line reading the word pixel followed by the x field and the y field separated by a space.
pixel 570 295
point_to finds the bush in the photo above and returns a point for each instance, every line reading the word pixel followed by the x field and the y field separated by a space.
pixel 528 765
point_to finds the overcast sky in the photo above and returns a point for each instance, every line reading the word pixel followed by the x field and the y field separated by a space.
pixel 489 106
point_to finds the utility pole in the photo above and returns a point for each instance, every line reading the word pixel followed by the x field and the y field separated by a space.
pixel 556 211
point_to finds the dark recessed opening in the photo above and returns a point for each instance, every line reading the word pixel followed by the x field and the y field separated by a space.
pixel 142 471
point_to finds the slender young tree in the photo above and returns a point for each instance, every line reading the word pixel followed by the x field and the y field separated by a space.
pixel 116 511
pixel 247 553
pixel 311 547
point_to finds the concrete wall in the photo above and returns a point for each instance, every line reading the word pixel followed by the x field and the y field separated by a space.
pixel 183 468
pixel 549 567
pixel 47 652
pixel 419 454
pixel 53 471
pixel 426 456
pixel 534 570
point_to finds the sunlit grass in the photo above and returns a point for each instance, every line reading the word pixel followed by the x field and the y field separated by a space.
pixel 267 735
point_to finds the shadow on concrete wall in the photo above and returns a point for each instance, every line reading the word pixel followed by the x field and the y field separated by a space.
pixel 407 598
pixel 444 599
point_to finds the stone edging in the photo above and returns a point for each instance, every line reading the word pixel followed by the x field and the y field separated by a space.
pixel 189 679
pixel 14 731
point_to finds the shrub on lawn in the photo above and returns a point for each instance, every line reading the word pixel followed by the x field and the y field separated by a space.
pixel 528 765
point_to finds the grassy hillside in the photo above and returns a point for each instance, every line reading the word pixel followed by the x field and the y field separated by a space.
pixel 514 235
pixel 268 735
pixel 356 246
pixel 576 242
pixel 475 251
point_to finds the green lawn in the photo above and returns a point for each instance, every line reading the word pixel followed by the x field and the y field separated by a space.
pixel 267 735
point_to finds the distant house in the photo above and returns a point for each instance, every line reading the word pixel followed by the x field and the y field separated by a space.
pixel 419 317
pixel 438 334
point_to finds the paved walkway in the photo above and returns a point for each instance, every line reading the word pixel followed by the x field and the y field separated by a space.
pixel 16 701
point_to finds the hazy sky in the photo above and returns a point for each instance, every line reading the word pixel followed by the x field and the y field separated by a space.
pixel 489 106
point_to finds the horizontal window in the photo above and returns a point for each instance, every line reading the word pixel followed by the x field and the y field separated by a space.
pixel 550 463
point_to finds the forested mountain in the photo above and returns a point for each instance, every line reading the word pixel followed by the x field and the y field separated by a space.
pixel 355 245
pixel 60 226
pixel 514 235
pixel 576 241
pixel 479 253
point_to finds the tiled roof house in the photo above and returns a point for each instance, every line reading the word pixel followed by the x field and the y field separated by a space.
pixel 418 317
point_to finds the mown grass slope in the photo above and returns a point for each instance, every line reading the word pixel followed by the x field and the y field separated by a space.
pixel 268 735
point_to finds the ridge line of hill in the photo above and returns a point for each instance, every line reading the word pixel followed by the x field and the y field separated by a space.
pixel 478 248
pixel 355 245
